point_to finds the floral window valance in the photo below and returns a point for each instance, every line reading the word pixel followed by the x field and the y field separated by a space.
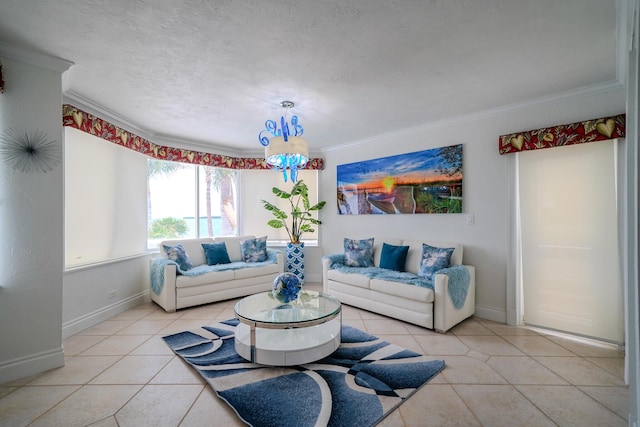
pixel 76 118
pixel 561 135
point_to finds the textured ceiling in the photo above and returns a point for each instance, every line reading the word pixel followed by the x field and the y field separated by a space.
pixel 211 72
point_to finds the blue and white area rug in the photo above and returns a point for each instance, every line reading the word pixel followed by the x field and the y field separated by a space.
pixel 358 385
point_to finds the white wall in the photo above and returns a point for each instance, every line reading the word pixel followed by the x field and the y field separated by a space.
pixel 31 221
pixel 487 186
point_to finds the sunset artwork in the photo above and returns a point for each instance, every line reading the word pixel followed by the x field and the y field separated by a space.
pixel 427 181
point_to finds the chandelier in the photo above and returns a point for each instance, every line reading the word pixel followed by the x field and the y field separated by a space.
pixel 283 146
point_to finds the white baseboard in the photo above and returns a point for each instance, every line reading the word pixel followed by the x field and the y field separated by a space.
pixel 491 313
pixel 91 319
pixel 31 365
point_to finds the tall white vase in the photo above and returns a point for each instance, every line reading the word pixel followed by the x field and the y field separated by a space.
pixel 295 260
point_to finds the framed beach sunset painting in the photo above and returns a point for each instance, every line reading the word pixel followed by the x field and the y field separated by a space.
pixel 428 181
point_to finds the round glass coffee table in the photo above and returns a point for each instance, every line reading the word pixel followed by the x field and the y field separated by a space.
pixel 273 333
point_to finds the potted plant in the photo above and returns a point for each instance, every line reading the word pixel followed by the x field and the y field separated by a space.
pixel 302 221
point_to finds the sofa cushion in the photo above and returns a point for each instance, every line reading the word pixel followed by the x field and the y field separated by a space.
pixel 216 253
pixel 183 281
pixel 358 253
pixel 411 292
pixel 434 259
pixel 233 246
pixel 177 254
pixel 193 247
pixel 254 250
pixel 256 271
pixel 354 279
pixel 393 257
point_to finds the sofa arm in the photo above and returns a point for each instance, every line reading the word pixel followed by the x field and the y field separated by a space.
pixel 327 260
pixel 280 261
pixel 446 315
pixel 167 296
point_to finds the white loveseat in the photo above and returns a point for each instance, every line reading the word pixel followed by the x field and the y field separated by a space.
pixel 234 280
pixel 430 308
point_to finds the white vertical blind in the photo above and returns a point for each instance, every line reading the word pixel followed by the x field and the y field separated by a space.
pixel 256 186
pixel 105 198
pixel 569 240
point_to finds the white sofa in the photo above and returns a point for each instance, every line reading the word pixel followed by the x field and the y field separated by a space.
pixel 430 308
pixel 180 291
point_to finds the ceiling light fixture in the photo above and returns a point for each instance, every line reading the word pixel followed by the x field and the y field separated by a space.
pixel 283 146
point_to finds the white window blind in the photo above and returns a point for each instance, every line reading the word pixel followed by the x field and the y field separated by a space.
pixel 569 240
pixel 105 200
pixel 256 186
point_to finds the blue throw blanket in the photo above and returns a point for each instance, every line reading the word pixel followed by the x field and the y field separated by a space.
pixel 459 278
pixel 158 264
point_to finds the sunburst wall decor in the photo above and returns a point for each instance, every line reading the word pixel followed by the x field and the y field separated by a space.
pixel 29 151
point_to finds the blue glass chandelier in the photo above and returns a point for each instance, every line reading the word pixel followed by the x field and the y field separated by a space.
pixel 283 146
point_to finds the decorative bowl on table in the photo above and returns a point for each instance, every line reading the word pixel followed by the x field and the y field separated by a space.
pixel 286 287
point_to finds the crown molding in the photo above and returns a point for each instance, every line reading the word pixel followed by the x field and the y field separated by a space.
pixel 489 113
pixel 34 58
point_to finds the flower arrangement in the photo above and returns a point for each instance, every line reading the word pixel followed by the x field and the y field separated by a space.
pixel 286 287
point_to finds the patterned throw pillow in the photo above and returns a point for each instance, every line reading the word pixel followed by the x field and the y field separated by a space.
pixel 254 250
pixel 393 257
pixel 179 256
pixel 216 253
pixel 434 259
pixel 358 253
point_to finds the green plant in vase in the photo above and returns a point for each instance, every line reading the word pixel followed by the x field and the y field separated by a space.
pixel 298 221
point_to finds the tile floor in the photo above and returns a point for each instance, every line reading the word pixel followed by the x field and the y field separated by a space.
pixel 120 373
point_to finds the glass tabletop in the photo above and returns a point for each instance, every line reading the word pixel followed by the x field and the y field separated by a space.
pixel 265 309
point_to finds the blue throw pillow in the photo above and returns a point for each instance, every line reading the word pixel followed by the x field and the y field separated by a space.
pixel 434 259
pixel 216 253
pixel 254 250
pixel 358 253
pixel 179 256
pixel 393 257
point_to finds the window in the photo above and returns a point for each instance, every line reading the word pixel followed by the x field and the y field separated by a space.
pixel 178 193
pixel 104 194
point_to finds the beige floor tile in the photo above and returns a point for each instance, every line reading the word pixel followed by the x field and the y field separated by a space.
pixel 154 346
pixel 77 370
pixel 465 370
pixel 349 312
pixel 116 345
pixel 614 398
pixel 501 405
pixel 205 313
pixel 537 345
pixel 364 314
pixel 579 371
pixel 385 326
pixel 419 330
pixel 181 325
pixel 76 344
pixel 91 403
pixel 477 355
pixel 394 419
pixel 566 405
pixel 158 405
pixel 523 370
pixel 6 390
pixel 210 407
pixel 439 344
pixel 108 327
pixel 615 365
pixel 177 371
pixel 404 341
pixel 26 404
pixel 226 313
pixel 145 327
pixel 133 370
pixel 470 327
pixel 107 422
pixel 490 345
pixel 436 405
pixel 163 315
pixel 136 313
pixel 356 323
